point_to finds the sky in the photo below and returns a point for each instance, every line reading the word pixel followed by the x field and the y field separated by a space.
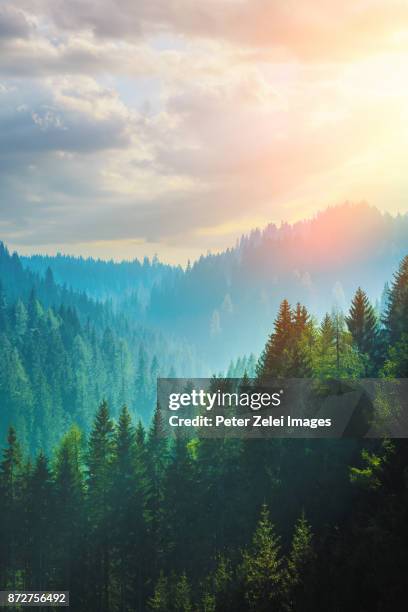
pixel 129 128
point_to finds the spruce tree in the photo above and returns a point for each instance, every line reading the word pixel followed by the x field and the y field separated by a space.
pixel 99 481
pixel 159 602
pixel 70 511
pixel 302 343
pixel 327 333
pixel 300 319
pixel 301 567
pixel 262 568
pixel 176 523
pixel 274 359
pixel 156 462
pixel 127 512
pixel 182 595
pixel 362 323
pixel 142 384
pixel 10 509
pixel 20 319
pixel 222 584
pixel 4 316
pixel 396 318
pixel 40 515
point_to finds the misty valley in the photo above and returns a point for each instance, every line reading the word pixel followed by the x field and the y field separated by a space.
pixel 97 501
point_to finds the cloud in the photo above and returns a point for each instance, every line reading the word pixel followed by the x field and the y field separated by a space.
pixel 173 122
pixel 79 117
pixel 305 29
pixel 13 23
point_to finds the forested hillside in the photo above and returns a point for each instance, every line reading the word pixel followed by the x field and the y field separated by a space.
pixel 61 352
pixel 127 519
pixel 318 262
pixel 106 280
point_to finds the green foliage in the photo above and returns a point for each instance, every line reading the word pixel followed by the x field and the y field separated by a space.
pixel 288 350
pixel 182 595
pixel 160 599
pixel 262 570
pixel 300 567
pixel 396 318
pixel 367 476
pixel 362 322
pixel 127 521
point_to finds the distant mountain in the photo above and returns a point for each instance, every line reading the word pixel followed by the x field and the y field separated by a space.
pixel 104 280
pixel 62 352
pixel 227 302
pixel 319 261
pixel 18 282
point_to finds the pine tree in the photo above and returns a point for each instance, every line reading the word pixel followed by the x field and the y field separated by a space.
pixel 159 602
pixel 301 560
pixel 182 595
pixel 274 359
pixel 327 333
pixel 222 584
pixel 178 494
pixel 4 316
pixel 99 481
pixel 288 350
pixel 141 384
pixel 40 515
pixel 262 568
pixel 396 364
pixel 300 319
pixel 50 286
pixel 34 311
pixel 396 318
pixel 154 374
pixel 10 509
pixel 156 462
pixel 142 516
pixel 362 324
pixel 20 319
pixel 245 383
pixel 127 510
pixel 302 343
pixel 69 504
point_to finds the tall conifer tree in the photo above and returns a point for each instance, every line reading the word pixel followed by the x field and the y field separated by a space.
pixel 396 318
pixel 362 323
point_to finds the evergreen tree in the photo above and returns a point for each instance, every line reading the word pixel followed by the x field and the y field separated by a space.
pixel 222 585
pixel 396 364
pixel 300 573
pixel 362 324
pixel 327 333
pixel 4 315
pixel 275 357
pixel 141 383
pixel 20 319
pixel 40 515
pixel 288 350
pixel 10 510
pixel 302 344
pixel 159 602
pixel 396 318
pixel 300 319
pixel 70 520
pixel 182 595
pixel 262 568
pixel 127 510
pixel 156 463
pixel 177 517
pixel 99 481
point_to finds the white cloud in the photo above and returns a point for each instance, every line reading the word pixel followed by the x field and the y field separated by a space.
pixel 254 109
